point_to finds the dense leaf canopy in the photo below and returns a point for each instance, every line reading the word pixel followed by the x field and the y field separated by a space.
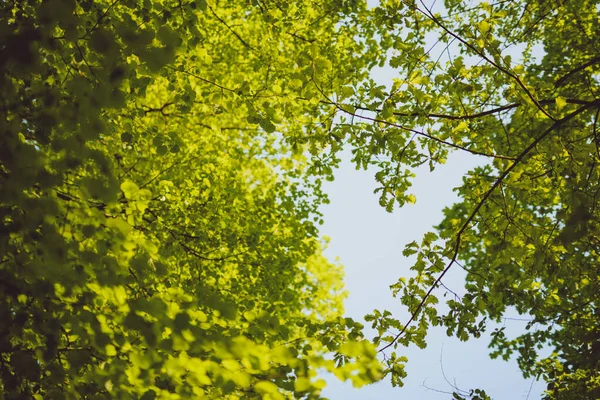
pixel 161 166
pixel 158 237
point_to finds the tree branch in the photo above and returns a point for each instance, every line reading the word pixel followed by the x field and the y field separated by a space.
pixel 480 204
pixel 202 79
pixel 420 133
pixel 561 81
pixel 159 109
pixel 435 20
pixel 470 116
pixel 230 29
pixel 99 20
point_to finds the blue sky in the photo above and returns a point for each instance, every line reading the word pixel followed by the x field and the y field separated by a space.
pixel 369 243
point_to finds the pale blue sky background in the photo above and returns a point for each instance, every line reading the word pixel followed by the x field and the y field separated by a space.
pixel 369 242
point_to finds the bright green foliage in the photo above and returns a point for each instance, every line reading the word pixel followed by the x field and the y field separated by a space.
pixel 515 83
pixel 158 207
pixel 158 238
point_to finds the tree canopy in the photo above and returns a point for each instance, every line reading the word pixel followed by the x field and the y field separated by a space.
pixel 515 83
pixel 161 165
pixel 158 235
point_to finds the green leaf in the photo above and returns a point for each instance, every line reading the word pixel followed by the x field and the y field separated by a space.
pixel 267 126
pixel 126 137
pixel 302 384
pixel 129 189
pixel 111 351
pixel 149 395
pixel 265 387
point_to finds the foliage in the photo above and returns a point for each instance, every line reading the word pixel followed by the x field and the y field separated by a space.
pixel 161 169
pixel 515 84
pixel 158 237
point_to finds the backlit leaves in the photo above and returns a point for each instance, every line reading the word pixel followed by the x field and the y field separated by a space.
pixel 158 235
pixel 161 169
pixel 516 85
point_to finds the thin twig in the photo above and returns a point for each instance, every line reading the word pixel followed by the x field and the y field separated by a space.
pixel 99 20
pixel 202 79
pixel 512 75
pixel 475 211
pixel 569 74
pixel 230 29
pixel 420 133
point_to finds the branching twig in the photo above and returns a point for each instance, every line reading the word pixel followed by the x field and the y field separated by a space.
pixel 99 20
pixel 159 109
pixel 475 211
pixel 202 79
pixel 504 70
pixel 561 81
pixel 230 29
pixel 420 133
pixel 472 116
pixel 414 131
